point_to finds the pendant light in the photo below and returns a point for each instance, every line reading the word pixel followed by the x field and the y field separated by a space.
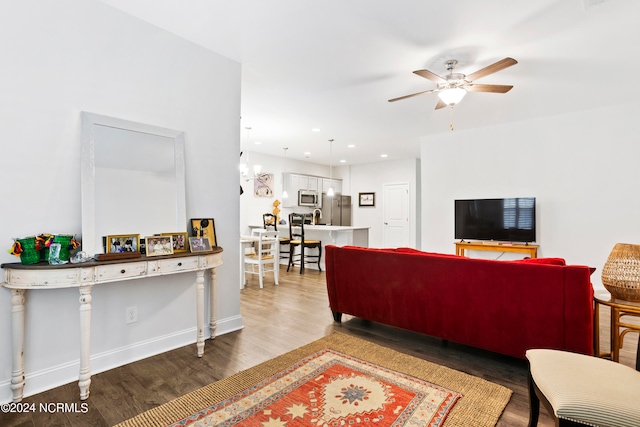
pixel 330 190
pixel 285 195
pixel 244 167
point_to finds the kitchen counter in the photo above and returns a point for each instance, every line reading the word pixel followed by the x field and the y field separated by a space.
pixel 339 235
pixel 308 227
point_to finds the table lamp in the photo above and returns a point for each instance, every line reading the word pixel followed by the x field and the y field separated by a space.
pixel 621 272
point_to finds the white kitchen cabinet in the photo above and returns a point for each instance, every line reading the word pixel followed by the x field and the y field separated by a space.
pixel 335 183
pixel 294 182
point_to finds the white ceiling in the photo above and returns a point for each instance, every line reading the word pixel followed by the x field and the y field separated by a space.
pixel 333 64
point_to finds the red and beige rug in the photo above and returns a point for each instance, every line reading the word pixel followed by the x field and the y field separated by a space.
pixel 333 382
pixel 332 389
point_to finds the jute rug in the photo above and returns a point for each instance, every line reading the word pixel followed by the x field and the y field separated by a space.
pixel 338 380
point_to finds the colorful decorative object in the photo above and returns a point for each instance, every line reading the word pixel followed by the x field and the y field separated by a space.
pixel 44 241
pixel 26 249
pixel 276 210
pixel 34 249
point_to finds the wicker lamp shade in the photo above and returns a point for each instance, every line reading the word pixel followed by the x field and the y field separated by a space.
pixel 621 272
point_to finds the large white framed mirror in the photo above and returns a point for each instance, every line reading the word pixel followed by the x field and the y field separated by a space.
pixel 133 180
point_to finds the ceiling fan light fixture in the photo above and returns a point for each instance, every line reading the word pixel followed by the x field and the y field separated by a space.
pixel 452 96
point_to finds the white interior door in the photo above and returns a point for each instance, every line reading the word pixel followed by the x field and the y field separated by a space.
pixel 395 214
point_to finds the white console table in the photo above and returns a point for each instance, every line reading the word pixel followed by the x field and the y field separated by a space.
pixel 19 278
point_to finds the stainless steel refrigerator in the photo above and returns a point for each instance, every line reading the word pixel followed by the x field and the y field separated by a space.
pixel 336 210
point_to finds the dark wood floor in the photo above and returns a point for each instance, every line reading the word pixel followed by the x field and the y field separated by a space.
pixel 276 319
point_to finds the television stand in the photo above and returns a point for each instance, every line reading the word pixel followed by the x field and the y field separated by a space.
pixel 462 246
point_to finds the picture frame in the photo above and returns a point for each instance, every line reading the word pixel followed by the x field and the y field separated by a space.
pixel 263 185
pixel 159 245
pixel 204 227
pixel 180 241
pixel 122 243
pixel 366 199
pixel 199 244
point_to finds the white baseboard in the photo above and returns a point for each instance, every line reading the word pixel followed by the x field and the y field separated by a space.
pixel 229 324
pixel 55 376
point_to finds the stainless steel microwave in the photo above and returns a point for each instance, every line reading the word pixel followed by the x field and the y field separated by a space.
pixel 307 198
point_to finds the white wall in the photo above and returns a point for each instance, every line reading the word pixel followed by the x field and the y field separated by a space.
pixel 581 167
pixel 69 56
pixel 371 178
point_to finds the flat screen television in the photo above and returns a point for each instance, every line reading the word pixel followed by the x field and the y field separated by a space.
pixel 506 220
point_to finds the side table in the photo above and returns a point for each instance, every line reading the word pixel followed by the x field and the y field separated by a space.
pixel 619 327
pixel 530 250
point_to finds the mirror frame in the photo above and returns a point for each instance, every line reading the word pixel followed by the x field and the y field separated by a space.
pixel 89 121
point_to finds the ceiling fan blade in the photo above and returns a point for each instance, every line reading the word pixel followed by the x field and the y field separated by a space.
pixel 430 76
pixel 488 88
pixel 440 104
pixel 412 95
pixel 493 68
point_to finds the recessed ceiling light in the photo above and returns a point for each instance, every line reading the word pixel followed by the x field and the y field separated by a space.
pixel 307 153
pixel 343 161
pixel 258 143
pixel 384 155
pixel 351 146
pixel 315 130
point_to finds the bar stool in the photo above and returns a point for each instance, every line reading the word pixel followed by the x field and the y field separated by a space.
pixel 296 221
pixel 270 221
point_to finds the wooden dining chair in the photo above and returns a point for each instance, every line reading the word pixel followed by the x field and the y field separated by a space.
pixel 270 222
pixel 296 232
pixel 266 253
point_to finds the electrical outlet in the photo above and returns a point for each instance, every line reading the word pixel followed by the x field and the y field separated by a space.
pixel 131 314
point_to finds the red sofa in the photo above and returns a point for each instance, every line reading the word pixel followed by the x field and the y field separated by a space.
pixel 501 306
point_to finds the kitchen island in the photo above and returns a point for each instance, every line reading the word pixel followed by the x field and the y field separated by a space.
pixel 339 235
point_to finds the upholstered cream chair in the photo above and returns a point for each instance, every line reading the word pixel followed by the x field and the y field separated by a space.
pixel 266 253
pixel 581 390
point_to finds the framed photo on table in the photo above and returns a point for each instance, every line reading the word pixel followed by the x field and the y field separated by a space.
pixel 159 245
pixel 204 227
pixel 366 199
pixel 199 244
pixel 180 241
pixel 119 243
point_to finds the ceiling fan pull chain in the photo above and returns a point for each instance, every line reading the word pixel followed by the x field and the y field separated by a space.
pixel 451 120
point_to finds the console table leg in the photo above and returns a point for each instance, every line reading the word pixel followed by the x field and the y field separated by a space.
pixel 85 340
pixel 200 311
pixel 17 331
pixel 212 304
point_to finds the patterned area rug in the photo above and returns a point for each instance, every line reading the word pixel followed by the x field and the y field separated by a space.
pixel 337 381
pixel 332 389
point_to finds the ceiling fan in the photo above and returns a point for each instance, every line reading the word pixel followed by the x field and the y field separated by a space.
pixel 454 86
